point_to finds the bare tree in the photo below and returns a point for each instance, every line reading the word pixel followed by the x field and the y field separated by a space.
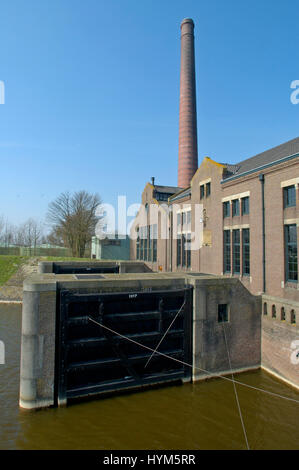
pixel 74 219
pixel 7 236
pixel 33 231
pixel 2 224
pixel 19 235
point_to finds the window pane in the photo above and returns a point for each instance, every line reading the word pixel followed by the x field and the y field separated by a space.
pixel 178 221
pixel 138 245
pixel 291 260
pixel 226 209
pixel 245 205
pixel 236 251
pixel 179 250
pixel 246 251
pixel 183 250
pixel 150 243
pixel 289 196
pixel 236 207
pixel 188 251
pixel 226 251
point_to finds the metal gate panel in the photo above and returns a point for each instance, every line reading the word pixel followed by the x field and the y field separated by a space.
pixel 94 359
pixel 62 269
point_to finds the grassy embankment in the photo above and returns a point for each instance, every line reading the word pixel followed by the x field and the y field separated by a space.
pixel 9 266
pixel 63 258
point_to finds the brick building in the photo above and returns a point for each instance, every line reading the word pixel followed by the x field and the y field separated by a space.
pixel 241 219
pixel 249 224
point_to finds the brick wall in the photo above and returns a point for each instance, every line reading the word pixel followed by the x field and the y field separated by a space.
pixel 280 338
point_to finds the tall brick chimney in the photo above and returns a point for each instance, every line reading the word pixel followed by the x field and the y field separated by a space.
pixel 188 159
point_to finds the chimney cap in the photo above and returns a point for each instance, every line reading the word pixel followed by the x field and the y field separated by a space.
pixel 187 20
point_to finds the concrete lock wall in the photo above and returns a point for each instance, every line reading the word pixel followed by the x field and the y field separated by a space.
pixel 243 330
pixel 38 344
pixel 219 347
pixel 47 267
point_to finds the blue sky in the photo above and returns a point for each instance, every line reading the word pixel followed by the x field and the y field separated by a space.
pixel 92 92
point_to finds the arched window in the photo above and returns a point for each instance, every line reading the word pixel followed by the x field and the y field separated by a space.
pixel 273 311
pixel 282 314
pixel 265 308
pixel 293 317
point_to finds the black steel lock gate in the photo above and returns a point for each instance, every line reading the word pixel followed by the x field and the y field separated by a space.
pixel 62 269
pixel 93 359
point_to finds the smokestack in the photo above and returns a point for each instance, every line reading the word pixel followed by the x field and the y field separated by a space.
pixel 188 159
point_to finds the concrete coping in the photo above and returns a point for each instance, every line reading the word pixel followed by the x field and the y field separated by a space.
pixel 40 283
pixel 281 300
pixel 49 282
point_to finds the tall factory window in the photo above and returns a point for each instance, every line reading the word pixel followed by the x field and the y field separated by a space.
pixel 235 207
pixel 246 251
pixel 293 317
pixel 179 250
pixel 188 239
pixel 202 191
pixel 183 250
pixel 150 242
pixel 245 205
pixel 155 237
pixel 187 221
pixel 145 243
pixel 226 251
pixel 236 251
pixel 291 259
pixel 179 221
pixel 226 209
pixel 141 242
pixel 137 244
pixel 208 189
pixel 289 196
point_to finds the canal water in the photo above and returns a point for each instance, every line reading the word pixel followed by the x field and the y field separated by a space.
pixel 198 416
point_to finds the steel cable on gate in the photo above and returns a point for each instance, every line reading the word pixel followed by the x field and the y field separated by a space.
pixel 213 374
pixel 183 305
pixel 235 389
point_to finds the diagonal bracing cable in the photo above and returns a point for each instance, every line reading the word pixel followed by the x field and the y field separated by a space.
pixel 166 333
pixel 212 374
pixel 235 389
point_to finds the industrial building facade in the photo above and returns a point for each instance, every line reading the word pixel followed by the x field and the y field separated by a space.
pixel 249 224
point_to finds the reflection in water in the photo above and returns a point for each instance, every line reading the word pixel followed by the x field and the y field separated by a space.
pixel 198 416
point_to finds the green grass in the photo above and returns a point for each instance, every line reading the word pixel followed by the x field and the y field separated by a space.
pixel 8 266
pixel 64 258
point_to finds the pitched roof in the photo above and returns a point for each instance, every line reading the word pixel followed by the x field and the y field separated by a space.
pixel 167 189
pixel 269 156
pixel 181 194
